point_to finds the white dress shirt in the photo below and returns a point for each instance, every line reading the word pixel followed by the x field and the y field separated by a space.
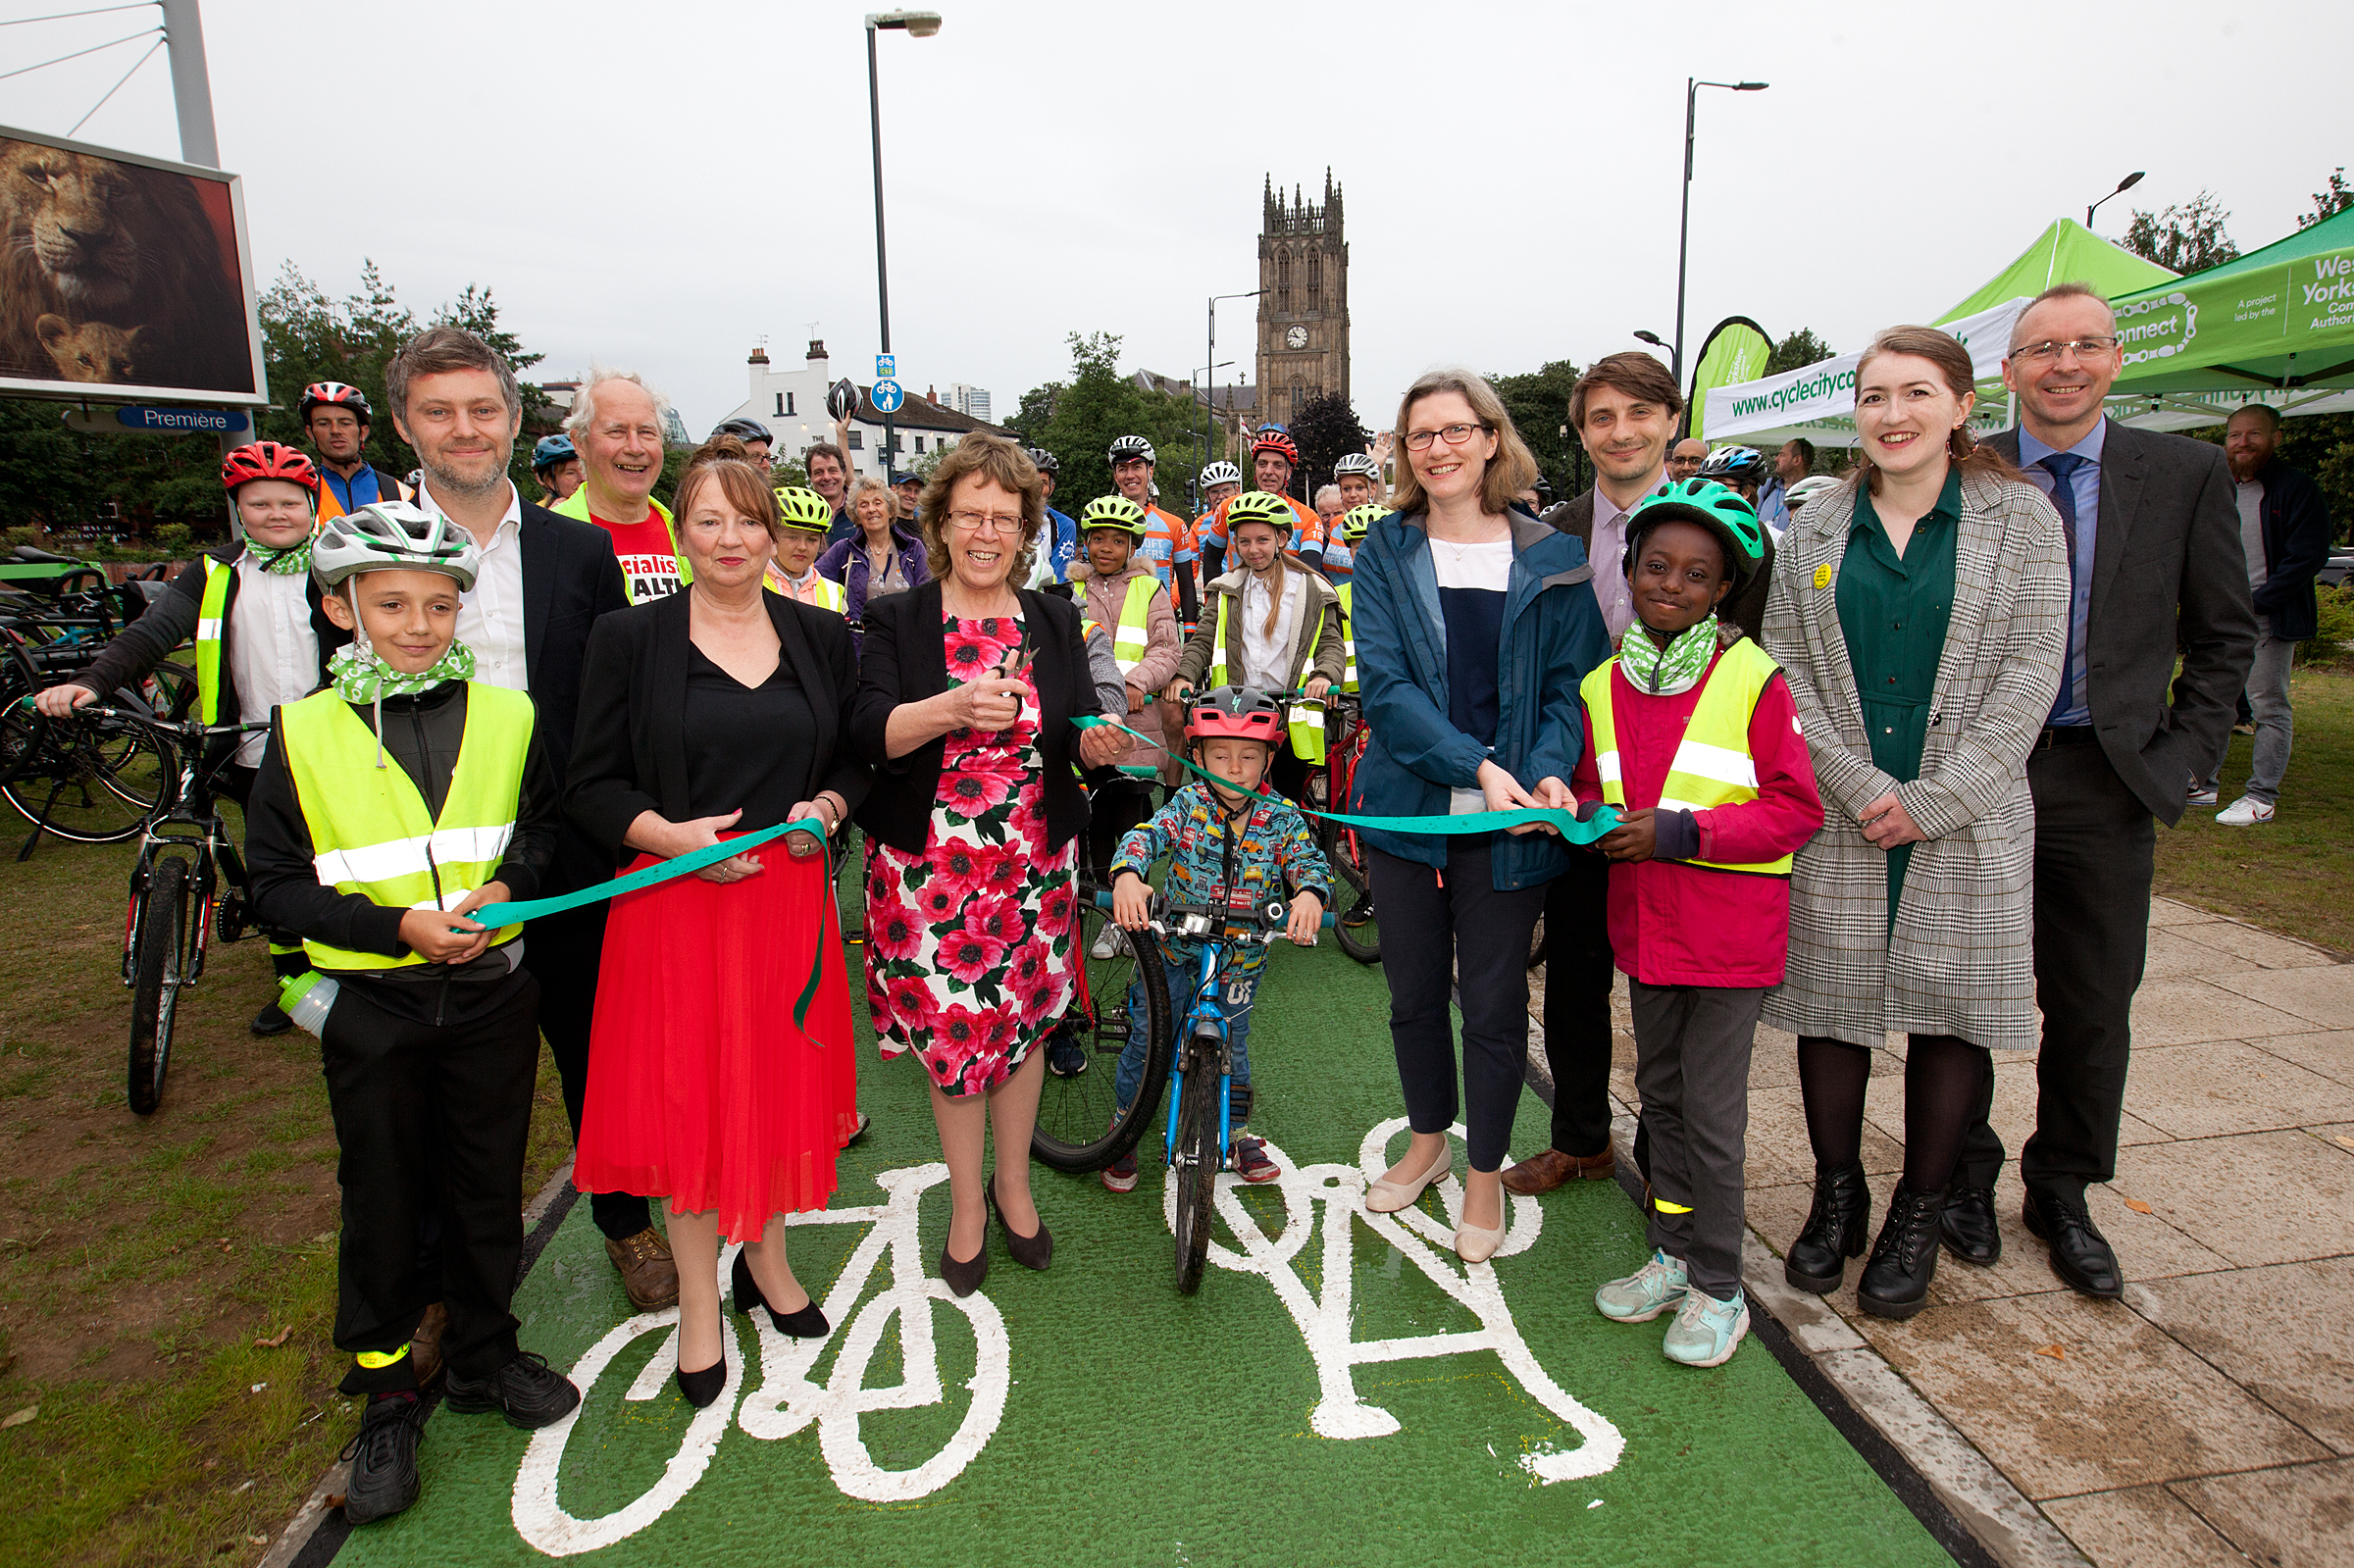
pixel 274 658
pixel 1267 655
pixel 491 613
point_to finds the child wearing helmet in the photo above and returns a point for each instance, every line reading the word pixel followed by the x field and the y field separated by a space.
pixel 388 808
pixel 260 634
pixel 806 518
pixel 1698 748
pixel 1116 589
pixel 558 468
pixel 1230 845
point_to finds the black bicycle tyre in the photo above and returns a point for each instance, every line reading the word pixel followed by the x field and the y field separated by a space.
pixel 1536 943
pixel 1196 1170
pixel 1361 941
pixel 1089 1093
pixel 155 982
pixel 35 791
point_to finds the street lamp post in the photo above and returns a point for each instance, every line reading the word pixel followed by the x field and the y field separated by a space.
pixel 917 25
pixel 1683 243
pixel 2123 186
pixel 1211 358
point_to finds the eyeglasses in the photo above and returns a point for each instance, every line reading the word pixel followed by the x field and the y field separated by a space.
pixel 1453 434
pixel 2046 352
pixel 972 521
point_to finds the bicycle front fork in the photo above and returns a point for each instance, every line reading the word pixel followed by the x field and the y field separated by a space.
pixel 1177 1071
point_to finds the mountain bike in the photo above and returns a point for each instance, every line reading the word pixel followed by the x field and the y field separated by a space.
pixel 188 885
pixel 1358 926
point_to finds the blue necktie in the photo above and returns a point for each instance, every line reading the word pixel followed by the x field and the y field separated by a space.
pixel 2061 466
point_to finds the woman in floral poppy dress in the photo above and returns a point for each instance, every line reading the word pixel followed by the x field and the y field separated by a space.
pixel 968 687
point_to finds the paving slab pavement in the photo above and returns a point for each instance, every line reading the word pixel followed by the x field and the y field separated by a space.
pixel 2208 1417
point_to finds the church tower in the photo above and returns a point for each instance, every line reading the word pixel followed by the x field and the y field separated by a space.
pixel 1302 303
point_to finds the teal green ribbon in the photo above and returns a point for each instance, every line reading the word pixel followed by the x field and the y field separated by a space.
pixel 1604 820
pixel 498 916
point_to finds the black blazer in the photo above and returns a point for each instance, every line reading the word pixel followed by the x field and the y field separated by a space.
pixel 570 576
pixel 629 751
pixel 2167 570
pixel 906 660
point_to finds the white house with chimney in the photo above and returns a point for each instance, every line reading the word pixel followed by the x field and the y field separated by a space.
pixel 791 403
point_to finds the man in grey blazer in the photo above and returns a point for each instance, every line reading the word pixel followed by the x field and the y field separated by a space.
pixel 2155 554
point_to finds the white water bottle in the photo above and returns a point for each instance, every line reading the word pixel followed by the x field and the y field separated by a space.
pixel 308 998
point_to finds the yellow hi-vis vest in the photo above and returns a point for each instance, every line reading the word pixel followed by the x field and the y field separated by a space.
pixel 1128 638
pixel 1348 638
pixel 370 834
pixel 575 506
pixel 1712 766
pixel 1304 720
pixel 830 593
pixel 211 617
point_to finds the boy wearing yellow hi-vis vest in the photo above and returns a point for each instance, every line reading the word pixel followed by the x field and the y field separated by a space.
pixel 1698 748
pixel 1271 625
pixel 388 807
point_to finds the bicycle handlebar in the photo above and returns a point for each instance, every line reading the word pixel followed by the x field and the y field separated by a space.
pixel 186 727
pixel 1261 923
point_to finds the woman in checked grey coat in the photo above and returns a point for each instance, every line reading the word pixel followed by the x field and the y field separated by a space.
pixel 1912 908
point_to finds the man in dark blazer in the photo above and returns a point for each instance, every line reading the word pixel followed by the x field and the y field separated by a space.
pixel 1625 409
pixel 544 579
pixel 2154 547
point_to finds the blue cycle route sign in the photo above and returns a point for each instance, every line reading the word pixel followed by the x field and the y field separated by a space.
pixel 888 396
pixel 887 366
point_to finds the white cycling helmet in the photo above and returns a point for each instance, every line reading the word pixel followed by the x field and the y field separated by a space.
pixel 1359 463
pixel 1807 489
pixel 393 536
pixel 1129 447
pixel 1221 473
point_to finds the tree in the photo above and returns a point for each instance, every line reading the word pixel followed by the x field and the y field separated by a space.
pixel 2185 238
pixel 1797 351
pixel 2331 200
pixel 1539 403
pixel 1077 419
pixel 1325 429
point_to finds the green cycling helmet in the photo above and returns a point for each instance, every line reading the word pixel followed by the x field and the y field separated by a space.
pixel 1260 506
pixel 1112 512
pixel 804 509
pixel 1719 508
pixel 1358 520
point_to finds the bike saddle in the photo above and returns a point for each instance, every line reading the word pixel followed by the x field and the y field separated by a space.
pixel 26 552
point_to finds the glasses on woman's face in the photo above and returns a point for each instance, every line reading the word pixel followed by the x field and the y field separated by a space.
pixel 1451 434
pixel 994 521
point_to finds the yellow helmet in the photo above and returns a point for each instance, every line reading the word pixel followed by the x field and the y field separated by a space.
pixel 804 509
pixel 1260 506
pixel 1358 520
pixel 1112 512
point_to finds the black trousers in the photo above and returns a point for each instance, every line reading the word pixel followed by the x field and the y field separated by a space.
pixel 1288 775
pixel 431 1120
pixel 2095 845
pixel 1455 933
pixel 1115 804
pixel 563 951
pixel 1578 976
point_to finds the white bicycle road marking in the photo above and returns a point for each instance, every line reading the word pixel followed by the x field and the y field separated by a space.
pixel 1324 1322
pixel 787 1400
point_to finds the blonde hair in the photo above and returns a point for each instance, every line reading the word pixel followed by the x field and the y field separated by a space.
pixel 1509 472
pixel 1001 462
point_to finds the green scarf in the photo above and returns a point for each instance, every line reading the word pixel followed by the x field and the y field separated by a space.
pixel 286 563
pixel 359 675
pixel 1677 668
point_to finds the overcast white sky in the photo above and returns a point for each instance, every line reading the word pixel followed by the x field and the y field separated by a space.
pixel 657 186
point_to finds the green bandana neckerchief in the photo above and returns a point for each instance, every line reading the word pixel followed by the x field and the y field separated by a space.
pixel 360 677
pixel 286 563
pixel 1671 670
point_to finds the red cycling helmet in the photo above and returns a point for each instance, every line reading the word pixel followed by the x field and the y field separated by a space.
pixel 1275 439
pixel 333 392
pixel 1240 713
pixel 267 459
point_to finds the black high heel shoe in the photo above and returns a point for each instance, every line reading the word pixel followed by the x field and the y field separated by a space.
pixel 1032 1251
pixel 963 1276
pixel 701 1388
pixel 807 1324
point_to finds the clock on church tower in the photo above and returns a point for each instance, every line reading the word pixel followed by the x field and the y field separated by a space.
pixel 1302 302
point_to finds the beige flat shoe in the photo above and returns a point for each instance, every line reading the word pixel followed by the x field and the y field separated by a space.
pixel 1388 1198
pixel 1473 1244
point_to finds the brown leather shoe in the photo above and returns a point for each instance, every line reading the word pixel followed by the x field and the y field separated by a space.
pixel 1544 1170
pixel 647 1273
pixel 425 1345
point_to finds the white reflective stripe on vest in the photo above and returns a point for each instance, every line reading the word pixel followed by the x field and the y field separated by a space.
pixel 409 857
pixel 1704 761
pixel 1605 766
pixel 208 630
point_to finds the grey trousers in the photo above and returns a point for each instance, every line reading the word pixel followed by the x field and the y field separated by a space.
pixel 1692 1046
pixel 2268 699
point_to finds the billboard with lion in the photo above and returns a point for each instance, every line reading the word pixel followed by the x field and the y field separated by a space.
pixel 123 278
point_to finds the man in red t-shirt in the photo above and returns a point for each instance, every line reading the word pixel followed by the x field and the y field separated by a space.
pixel 616 426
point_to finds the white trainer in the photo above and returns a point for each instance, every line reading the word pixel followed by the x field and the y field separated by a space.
pixel 2245 812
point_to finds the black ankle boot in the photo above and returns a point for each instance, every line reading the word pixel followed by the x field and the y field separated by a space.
pixel 1835 1233
pixel 1896 1282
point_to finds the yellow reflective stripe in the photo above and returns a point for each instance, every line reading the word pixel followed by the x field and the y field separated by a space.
pixel 210 611
pixel 1712 766
pixel 1306 726
pixel 1217 643
pixel 378 1360
pixel 1666 1207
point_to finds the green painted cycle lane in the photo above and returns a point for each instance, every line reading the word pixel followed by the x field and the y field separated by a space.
pixel 1341 1390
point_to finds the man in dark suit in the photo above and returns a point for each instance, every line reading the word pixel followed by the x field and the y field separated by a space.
pixel 2154 547
pixel 544 579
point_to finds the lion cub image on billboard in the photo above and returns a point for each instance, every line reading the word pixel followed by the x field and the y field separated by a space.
pixel 116 273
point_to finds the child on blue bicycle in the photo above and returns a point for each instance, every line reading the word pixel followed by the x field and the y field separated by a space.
pixel 1230 846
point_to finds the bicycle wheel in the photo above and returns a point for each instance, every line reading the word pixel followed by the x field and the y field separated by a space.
pixel 1536 943
pixel 1077 1128
pixel 155 982
pixel 1359 927
pixel 1197 1167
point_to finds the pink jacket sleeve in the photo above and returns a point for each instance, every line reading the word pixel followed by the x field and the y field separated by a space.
pixel 1787 811
pixel 1585 782
pixel 1163 644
